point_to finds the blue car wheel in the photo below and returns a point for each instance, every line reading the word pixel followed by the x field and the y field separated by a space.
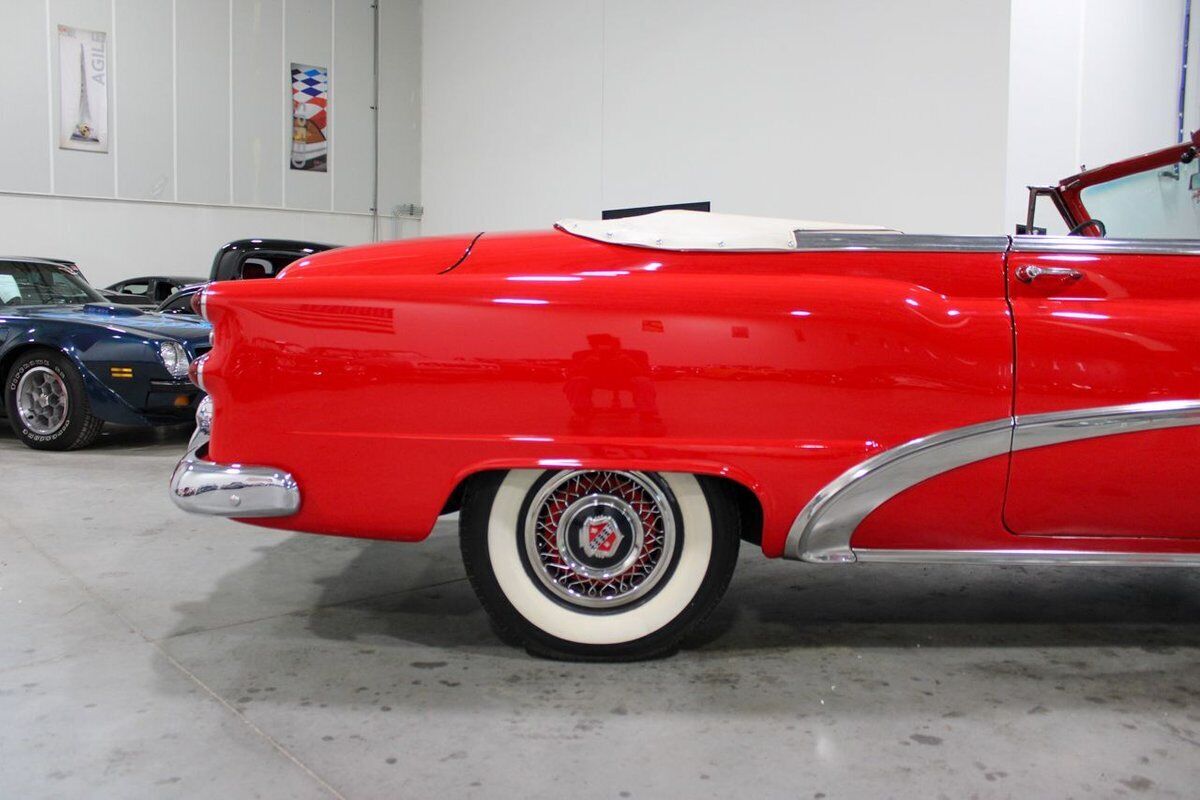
pixel 47 405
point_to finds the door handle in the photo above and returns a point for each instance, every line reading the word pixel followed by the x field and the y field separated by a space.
pixel 1029 272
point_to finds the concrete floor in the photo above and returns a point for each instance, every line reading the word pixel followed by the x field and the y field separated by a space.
pixel 146 653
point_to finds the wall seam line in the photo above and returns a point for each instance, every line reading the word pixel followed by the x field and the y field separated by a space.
pixel 329 110
pixel 287 93
pixel 230 102
pixel 51 38
pixel 175 98
pixel 111 88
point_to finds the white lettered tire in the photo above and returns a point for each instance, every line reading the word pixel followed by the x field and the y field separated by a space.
pixel 598 564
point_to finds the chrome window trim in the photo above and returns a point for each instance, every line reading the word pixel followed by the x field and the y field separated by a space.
pixel 822 531
pixel 1094 245
pixel 821 241
pixel 826 241
pixel 1074 558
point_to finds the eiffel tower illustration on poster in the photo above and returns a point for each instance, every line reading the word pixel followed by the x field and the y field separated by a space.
pixel 83 127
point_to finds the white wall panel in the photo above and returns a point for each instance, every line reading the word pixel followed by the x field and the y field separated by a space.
pixel 25 135
pixel 1131 56
pixel 259 133
pixel 352 149
pixel 146 158
pixel 400 112
pixel 865 112
pixel 306 26
pixel 116 239
pixel 202 100
pixel 104 234
pixel 1043 123
pixel 1092 81
pixel 862 112
pixel 512 113
pixel 77 171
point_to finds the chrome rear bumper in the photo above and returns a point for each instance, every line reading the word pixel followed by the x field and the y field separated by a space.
pixel 231 490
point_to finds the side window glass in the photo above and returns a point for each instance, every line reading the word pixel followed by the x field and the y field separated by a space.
pixel 256 267
pixel 1160 203
pixel 135 288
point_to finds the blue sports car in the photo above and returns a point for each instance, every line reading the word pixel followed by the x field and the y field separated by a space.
pixel 71 360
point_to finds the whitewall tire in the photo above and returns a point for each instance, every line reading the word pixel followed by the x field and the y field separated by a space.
pixel 598 564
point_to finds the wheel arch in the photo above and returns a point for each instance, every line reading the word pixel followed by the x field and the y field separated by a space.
pixel 10 356
pixel 743 490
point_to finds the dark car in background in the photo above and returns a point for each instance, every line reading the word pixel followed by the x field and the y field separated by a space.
pixel 70 360
pixel 154 288
pixel 108 294
pixel 244 259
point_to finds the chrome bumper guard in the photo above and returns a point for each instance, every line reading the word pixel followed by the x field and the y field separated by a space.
pixel 231 490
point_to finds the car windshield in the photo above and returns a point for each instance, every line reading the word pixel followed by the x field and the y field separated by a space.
pixel 1159 203
pixel 29 284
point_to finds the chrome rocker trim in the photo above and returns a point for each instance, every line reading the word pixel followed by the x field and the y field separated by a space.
pixel 821 533
pixel 201 486
pixel 1029 558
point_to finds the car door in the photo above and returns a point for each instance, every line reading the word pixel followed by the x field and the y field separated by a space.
pixel 1107 352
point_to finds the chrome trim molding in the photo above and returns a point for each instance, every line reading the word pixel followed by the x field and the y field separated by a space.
pixel 822 241
pixel 821 533
pixel 1098 246
pixel 1073 558
pixel 817 241
pixel 201 486
pixel 1039 430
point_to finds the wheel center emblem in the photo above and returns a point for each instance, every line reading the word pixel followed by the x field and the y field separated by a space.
pixel 600 536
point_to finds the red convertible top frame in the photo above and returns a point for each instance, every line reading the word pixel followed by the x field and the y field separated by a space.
pixel 1066 195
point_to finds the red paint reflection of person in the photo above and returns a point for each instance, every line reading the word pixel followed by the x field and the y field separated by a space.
pixel 607 368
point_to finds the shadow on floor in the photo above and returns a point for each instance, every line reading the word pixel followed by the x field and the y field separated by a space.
pixel 883 640
pixel 782 605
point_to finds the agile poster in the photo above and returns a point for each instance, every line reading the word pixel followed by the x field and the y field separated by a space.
pixel 310 103
pixel 82 89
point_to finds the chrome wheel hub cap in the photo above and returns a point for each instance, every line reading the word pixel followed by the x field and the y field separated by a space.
pixel 42 401
pixel 599 539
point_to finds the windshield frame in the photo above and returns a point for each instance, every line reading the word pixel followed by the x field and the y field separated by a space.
pixel 1070 189
pixel 90 293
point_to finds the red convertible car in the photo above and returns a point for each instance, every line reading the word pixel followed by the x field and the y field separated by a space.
pixel 615 406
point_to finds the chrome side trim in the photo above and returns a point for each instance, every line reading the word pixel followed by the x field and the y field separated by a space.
pixel 201 486
pixel 1039 430
pixel 1098 246
pixel 821 533
pixel 1073 558
pixel 817 241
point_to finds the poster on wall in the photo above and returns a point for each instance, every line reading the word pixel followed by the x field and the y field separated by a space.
pixel 310 102
pixel 82 89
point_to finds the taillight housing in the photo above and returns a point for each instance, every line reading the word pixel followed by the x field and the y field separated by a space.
pixel 198 302
pixel 196 372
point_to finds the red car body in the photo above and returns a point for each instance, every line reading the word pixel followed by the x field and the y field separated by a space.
pixel 864 396
pixel 381 377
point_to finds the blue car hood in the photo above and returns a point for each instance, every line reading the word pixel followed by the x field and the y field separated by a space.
pixel 126 319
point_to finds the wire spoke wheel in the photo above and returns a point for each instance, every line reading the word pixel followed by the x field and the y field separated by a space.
pixel 42 401
pixel 600 539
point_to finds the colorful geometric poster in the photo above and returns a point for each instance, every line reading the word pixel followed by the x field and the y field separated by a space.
pixel 310 104
pixel 82 89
